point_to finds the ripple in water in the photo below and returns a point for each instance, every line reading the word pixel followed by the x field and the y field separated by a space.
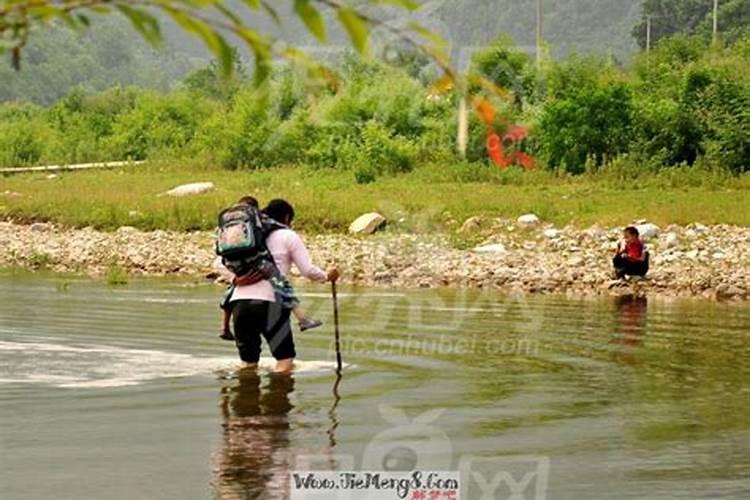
pixel 94 365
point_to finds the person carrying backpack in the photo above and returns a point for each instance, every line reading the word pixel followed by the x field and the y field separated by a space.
pixel 259 248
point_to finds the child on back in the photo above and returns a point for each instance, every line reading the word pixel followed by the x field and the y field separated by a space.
pixel 630 259
pixel 283 289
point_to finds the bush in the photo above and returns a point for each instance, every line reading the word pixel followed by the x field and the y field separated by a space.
pixel 506 66
pixel 22 143
pixel 591 124
pixel 158 124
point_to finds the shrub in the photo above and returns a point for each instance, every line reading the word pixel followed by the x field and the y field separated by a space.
pixel 158 123
pixel 594 123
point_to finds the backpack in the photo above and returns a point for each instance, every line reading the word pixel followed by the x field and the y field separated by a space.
pixel 241 239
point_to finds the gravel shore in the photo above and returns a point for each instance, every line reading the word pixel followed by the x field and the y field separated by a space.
pixel 698 261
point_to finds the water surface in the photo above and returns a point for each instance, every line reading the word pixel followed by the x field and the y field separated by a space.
pixel 126 393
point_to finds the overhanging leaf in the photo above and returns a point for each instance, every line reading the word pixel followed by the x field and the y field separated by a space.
pixel 214 42
pixel 143 22
pixel 311 17
pixel 356 28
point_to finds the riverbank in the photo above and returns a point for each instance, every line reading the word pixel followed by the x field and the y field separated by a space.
pixel 687 261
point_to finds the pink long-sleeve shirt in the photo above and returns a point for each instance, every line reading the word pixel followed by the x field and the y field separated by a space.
pixel 287 248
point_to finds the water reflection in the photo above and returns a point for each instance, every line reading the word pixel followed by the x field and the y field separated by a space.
pixel 630 325
pixel 253 461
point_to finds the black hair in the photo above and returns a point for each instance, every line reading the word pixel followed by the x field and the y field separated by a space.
pixel 632 231
pixel 249 200
pixel 280 210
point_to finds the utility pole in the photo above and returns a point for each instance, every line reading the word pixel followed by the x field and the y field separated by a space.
pixel 539 34
pixel 716 22
pixel 648 34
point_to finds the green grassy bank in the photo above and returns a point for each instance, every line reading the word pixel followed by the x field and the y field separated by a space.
pixel 430 198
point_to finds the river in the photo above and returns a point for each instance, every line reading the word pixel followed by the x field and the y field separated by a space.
pixel 126 392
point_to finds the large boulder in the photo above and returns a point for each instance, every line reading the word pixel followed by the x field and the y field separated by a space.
pixel 367 223
pixel 191 189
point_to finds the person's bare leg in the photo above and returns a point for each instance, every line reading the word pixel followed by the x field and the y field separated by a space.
pixel 284 365
pixel 304 322
pixel 226 330
pixel 299 313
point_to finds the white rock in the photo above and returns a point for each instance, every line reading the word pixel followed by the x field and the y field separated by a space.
pixel 39 227
pixel 700 228
pixel 671 240
pixel 367 223
pixel 191 189
pixel 648 230
pixel 494 248
pixel 718 255
pixel 528 220
pixel 691 234
pixel 52 176
pixel 552 233
pixel 134 213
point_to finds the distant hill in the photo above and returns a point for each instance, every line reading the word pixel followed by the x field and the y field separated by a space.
pixel 110 54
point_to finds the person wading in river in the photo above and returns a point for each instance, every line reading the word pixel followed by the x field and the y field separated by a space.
pixel 255 311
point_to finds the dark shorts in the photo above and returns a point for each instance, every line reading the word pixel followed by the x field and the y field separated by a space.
pixel 256 318
pixel 629 267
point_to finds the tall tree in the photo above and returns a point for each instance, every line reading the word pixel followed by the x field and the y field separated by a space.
pixel 669 17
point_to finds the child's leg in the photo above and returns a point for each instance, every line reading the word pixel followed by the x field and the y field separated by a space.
pixel 225 326
pixel 226 306
pixel 298 312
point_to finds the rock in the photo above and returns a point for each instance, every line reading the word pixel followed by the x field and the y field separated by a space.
pixel 126 230
pixel 191 189
pixel 367 223
pixel 700 228
pixel 718 255
pixel 671 240
pixel 471 224
pixel 691 234
pixel 551 234
pixel 52 176
pixel 134 213
pixel 648 230
pixel 497 248
pixel 528 220
pixel 39 227
pixel 692 254
pixel 529 245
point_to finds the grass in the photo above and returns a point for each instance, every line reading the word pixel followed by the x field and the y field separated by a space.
pixel 431 198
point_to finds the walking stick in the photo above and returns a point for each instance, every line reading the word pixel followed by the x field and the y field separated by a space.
pixel 336 326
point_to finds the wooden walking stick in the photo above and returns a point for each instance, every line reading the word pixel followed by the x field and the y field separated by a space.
pixel 336 326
